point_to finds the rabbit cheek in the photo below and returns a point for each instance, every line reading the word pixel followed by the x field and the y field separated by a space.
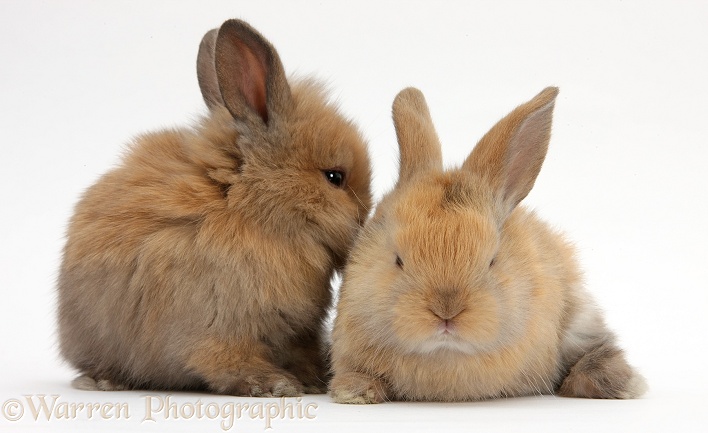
pixel 412 321
pixel 479 324
pixel 332 222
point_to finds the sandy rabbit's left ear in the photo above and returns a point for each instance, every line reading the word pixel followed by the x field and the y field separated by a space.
pixel 417 140
pixel 511 154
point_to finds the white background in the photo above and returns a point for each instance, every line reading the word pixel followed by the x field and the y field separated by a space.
pixel 625 175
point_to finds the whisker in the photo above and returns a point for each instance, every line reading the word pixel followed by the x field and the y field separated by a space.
pixel 358 199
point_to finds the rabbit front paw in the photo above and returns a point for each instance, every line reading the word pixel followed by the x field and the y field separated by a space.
pixel 262 384
pixel 357 388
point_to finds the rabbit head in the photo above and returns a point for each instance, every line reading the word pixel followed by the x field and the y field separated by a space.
pixel 297 165
pixel 435 251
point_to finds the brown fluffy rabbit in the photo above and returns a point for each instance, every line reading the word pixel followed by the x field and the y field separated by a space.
pixel 454 293
pixel 204 260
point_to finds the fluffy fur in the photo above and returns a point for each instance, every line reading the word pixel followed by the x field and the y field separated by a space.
pixel 454 293
pixel 204 260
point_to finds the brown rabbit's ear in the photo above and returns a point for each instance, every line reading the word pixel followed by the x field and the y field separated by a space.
pixel 510 155
pixel 206 70
pixel 417 140
pixel 250 75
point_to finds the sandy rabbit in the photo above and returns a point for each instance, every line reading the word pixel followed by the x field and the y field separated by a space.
pixel 453 292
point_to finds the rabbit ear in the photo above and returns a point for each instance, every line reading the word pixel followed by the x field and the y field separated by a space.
pixel 206 70
pixel 418 142
pixel 510 155
pixel 250 75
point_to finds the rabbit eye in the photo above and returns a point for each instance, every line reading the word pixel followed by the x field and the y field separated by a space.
pixel 399 262
pixel 491 263
pixel 335 177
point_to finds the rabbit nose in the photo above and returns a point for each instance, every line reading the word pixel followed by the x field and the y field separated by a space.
pixel 446 320
pixel 446 315
pixel 447 305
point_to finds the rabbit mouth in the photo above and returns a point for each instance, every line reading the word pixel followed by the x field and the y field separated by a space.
pixel 446 338
pixel 446 341
pixel 446 328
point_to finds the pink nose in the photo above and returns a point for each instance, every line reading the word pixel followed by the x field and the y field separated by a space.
pixel 447 326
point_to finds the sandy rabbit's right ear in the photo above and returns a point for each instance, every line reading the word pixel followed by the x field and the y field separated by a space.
pixel 510 155
pixel 417 140
pixel 250 75
pixel 206 70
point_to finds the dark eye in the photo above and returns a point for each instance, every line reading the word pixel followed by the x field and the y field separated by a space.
pixel 399 262
pixel 335 177
pixel 494 260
